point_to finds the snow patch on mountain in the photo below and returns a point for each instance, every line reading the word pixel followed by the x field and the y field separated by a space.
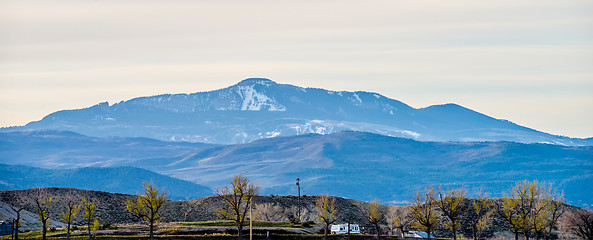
pixel 413 134
pixel 254 101
pixel 313 126
pixel 271 134
pixel 356 99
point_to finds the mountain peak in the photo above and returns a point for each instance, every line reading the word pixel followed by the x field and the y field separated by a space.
pixel 254 81
pixel 260 108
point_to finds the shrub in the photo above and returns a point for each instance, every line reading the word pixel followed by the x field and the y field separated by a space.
pixel 105 226
pixel 308 224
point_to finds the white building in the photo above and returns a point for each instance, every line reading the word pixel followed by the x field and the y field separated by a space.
pixel 343 229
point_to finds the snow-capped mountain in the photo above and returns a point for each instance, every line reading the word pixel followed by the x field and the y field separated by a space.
pixel 260 108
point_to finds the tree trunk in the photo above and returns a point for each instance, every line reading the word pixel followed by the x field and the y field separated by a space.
pixel 240 231
pixel 475 232
pixel 88 228
pixel 44 223
pixel 428 233
pixel 16 225
pixel 402 233
pixel 151 229
pixel 68 232
pixel 516 235
pixel 454 234
pixel 378 231
pixel 325 231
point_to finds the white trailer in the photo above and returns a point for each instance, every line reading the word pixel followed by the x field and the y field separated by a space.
pixel 343 229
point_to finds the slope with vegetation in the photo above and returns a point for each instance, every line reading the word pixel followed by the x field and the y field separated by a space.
pixel 355 165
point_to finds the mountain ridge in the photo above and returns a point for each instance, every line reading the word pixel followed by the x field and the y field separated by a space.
pixel 124 179
pixel 355 165
pixel 261 108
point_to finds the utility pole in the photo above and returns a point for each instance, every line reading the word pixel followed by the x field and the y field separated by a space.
pixel 12 229
pixel 250 218
pixel 299 199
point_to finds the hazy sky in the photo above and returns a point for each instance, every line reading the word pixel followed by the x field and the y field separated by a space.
pixel 530 62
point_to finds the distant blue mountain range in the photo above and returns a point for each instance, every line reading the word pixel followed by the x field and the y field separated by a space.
pixel 65 149
pixel 356 165
pixel 260 108
pixel 127 180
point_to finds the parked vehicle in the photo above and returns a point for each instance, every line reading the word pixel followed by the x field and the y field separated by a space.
pixel 5 228
pixel 417 234
pixel 343 229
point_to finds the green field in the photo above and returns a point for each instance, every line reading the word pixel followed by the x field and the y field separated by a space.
pixel 229 223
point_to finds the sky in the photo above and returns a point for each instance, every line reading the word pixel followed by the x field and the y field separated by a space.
pixel 530 62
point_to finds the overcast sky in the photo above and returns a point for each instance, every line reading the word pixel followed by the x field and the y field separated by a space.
pixel 530 62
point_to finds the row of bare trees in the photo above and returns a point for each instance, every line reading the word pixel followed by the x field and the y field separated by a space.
pixel 145 208
pixel 529 209
pixel 274 212
pixel 42 203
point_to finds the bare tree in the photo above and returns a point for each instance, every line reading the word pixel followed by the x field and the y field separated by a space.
pixel 449 202
pixel 238 197
pixel 271 212
pixel 538 220
pixel 400 218
pixel 89 215
pixel 326 212
pixel 72 210
pixel 374 216
pixel 147 206
pixel 424 211
pixel 518 207
pixel 303 215
pixel 580 223
pixel 17 206
pixel 480 214
pixel 556 209
pixel 42 202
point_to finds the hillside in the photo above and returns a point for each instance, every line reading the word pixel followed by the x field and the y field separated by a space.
pixel 29 220
pixel 260 108
pixel 116 179
pixel 110 209
pixel 355 165
pixel 365 166
pixel 64 149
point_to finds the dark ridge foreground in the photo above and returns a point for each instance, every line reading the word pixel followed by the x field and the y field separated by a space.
pixel 110 208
